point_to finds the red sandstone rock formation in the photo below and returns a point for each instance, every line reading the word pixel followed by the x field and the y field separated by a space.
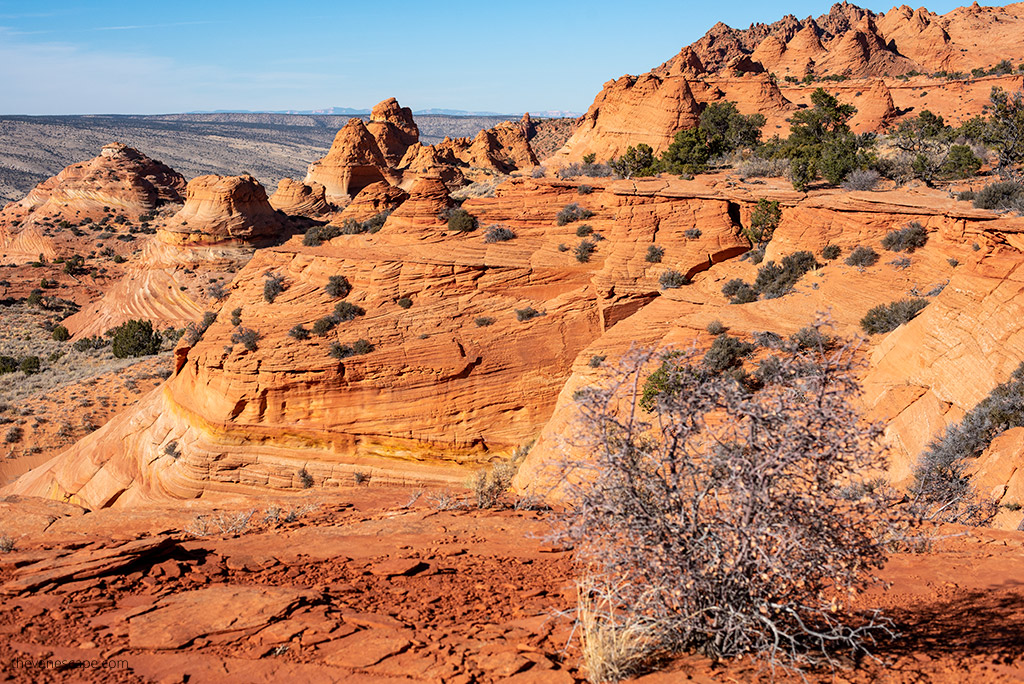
pixel 632 110
pixel 374 199
pixel 394 129
pixel 222 209
pixel 121 181
pixel 875 109
pixel 353 162
pixel 299 199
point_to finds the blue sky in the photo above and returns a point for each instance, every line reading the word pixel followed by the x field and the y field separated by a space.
pixel 61 57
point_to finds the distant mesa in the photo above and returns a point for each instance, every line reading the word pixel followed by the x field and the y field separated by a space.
pixel 223 210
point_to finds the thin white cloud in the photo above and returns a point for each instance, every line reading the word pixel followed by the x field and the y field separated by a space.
pixel 135 27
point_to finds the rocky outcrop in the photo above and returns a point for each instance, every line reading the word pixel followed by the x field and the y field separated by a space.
pixel 373 200
pixel 423 210
pixel 353 162
pixel 394 129
pixel 875 109
pixel 647 109
pixel 121 183
pixel 298 199
pixel 220 210
pixel 861 52
pixel 503 148
pixel 120 178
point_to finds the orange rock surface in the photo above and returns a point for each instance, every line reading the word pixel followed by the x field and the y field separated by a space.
pixel 121 181
pixel 353 162
pixel 221 210
pixel 299 199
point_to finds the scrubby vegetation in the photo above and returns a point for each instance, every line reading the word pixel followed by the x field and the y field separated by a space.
pixel 527 313
pixel 344 351
pixel 571 213
pixel 722 129
pixel 1000 196
pixel 831 252
pixel 347 311
pixel 317 235
pixel 861 179
pixel 499 233
pixel 247 337
pixel 195 331
pixel 461 221
pixel 887 317
pixel 671 279
pixel 272 286
pixel 862 257
pixel 941 486
pixel 773 280
pixel 584 250
pixel 907 239
pixel 135 338
pixel 338 286
pixel 688 544
pixel 654 254
pixel 763 222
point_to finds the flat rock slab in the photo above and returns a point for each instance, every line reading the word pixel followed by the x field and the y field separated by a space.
pixel 397 567
pixel 364 648
pixel 182 618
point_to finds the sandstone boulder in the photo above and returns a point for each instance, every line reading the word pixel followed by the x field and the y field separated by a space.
pixel 223 209
pixel 298 199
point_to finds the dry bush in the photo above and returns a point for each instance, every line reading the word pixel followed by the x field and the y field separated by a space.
pixel 614 645
pixel 720 519
pixel 481 188
pixel 756 167
pixel 225 523
pixel 489 484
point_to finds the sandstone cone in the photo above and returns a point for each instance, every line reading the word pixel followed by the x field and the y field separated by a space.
pixel 875 110
pixel 393 128
pixel 353 162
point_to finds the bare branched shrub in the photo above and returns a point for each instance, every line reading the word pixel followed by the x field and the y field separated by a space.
pixel 225 523
pixel 719 520
pixel 445 501
pixel 489 484
pixel 6 544
pixel 756 167
pixel 861 179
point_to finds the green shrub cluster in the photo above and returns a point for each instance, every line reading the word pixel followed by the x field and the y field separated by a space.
pixel 461 221
pixel 773 280
pixel 907 239
pixel 887 317
pixel 135 338
pixel 344 351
